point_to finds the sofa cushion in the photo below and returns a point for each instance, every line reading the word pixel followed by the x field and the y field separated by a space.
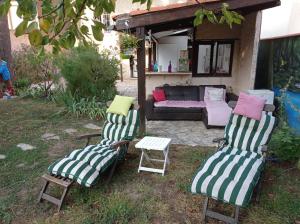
pixel 249 106
pixel 202 90
pixel 180 104
pixel 182 93
pixel 176 110
pixel 159 95
pixel 214 94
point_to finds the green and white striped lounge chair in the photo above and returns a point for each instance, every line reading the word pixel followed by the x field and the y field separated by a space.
pixel 232 173
pixel 85 165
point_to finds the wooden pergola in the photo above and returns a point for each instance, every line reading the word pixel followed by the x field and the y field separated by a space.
pixel 175 16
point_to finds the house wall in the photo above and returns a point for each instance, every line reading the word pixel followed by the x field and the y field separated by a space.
pixel 246 38
pixel 248 52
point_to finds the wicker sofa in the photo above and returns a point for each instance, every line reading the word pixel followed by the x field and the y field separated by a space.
pixel 181 93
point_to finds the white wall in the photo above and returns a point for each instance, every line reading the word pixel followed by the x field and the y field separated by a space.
pixel 169 49
pixel 248 52
pixel 281 21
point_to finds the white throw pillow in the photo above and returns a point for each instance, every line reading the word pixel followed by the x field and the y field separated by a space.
pixel 215 94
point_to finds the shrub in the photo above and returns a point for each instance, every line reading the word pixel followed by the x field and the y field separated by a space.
pixel 90 74
pixel 285 143
pixel 33 67
pixel 80 106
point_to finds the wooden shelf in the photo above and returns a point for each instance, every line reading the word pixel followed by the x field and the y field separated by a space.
pixel 167 73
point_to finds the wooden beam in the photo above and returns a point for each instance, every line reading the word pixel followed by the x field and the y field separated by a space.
pixel 188 12
pixel 140 33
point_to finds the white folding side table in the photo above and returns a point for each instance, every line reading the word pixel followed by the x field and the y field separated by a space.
pixel 154 143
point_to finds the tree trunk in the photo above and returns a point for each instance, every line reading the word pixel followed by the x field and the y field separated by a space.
pixel 5 43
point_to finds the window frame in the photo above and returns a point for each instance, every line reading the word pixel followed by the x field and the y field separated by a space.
pixel 211 43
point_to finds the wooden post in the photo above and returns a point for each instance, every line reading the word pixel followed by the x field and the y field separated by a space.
pixel 140 33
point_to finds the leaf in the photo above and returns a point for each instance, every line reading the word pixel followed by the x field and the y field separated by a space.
pixel 45 25
pixel 4 7
pixel 149 3
pixel 84 29
pixel 35 38
pixel 21 28
pixel 32 26
pixel 97 31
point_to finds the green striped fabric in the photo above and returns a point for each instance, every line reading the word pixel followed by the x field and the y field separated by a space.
pixel 249 134
pixel 231 174
pixel 85 165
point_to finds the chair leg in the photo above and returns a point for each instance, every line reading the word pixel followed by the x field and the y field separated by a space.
pixel 64 183
pixel 236 214
pixel 205 205
pixel 44 189
pixel 65 192
pixel 219 216
pixel 112 171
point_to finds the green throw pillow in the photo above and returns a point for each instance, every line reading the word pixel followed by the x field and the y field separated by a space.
pixel 120 105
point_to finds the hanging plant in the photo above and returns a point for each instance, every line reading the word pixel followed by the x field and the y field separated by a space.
pixel 128 44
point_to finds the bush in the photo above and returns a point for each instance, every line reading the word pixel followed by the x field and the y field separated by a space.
pixel 285 143
pixel 90 74
pixel 33 67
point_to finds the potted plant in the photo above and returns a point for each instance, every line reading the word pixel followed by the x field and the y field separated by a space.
pixel 128 44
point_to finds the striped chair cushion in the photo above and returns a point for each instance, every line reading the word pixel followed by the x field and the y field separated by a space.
pixel 85 165
pixel 230 175
pixel 249 134
pixel 119 127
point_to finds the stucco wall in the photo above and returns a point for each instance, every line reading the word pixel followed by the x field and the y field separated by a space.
pixel 248 52
pixel 244 58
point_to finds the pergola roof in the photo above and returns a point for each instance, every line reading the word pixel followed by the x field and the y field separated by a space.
pixel 185 12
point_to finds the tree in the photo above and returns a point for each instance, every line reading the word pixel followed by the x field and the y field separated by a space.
pixel 5 47
pixel 58 21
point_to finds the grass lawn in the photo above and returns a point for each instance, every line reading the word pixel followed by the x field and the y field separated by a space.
pixel 130 197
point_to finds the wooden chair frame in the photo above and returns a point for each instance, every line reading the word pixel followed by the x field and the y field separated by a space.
pixel 222 142
pixel 66 183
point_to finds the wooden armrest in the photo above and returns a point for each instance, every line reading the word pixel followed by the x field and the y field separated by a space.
pixel 88 136
pixel 218 140
pixel 120 143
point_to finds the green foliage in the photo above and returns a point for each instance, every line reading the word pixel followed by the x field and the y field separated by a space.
pixel 286 63
pixel 34 67
pixel 59 21
pixel 89 73
pixel 227 16
pixel 80 106
pixel 128 42
pixel 285 144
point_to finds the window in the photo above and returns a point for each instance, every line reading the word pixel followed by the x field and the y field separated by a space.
pixel 213 58
pixel 106 19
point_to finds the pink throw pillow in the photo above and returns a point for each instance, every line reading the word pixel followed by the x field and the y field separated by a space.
pixel 159 95
pixel 249 106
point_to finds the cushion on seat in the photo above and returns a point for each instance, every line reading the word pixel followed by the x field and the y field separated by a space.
pixel 249 134
pixel 85 165
pixel 180 104
pixel 230 175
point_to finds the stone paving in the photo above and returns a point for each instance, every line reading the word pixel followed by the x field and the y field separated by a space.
pixel 127 88
pixel 191 133
pixel 25 147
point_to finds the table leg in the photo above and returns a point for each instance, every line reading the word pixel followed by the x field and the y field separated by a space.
pixel 167 161
pixel 141 161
